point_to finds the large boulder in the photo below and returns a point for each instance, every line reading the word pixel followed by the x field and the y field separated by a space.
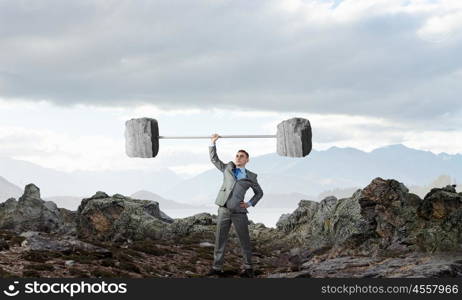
pixel 440 215
pixel 199 223
pixel 199 227
pixel 319 224
pixel 117 218
pixel 381 219
pixel 30 212
pixel 388 212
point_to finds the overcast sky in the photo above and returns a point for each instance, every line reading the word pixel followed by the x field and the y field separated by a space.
pixel 366 73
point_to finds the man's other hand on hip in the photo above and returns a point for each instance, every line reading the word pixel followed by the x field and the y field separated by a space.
pixel 243 204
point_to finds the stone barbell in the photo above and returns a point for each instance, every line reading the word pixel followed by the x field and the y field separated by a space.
pixel 142 137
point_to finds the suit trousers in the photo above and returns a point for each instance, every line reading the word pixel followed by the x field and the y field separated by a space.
pixel 241 225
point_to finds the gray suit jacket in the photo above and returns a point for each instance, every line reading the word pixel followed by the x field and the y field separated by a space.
pixel 229 184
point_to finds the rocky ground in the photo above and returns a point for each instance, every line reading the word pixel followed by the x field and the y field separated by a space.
pixel 380 231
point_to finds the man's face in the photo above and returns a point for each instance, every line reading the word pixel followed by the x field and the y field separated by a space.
pixel 241 159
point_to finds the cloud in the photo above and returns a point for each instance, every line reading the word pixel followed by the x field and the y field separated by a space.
pixel 91 138
pixel 369 58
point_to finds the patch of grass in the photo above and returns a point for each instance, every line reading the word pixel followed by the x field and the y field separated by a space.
pixel 98 272
pixel 123 257
pixel 187 267
pixel 205 253
pixel 148 268
pixel 193 259
pixel 5 274
pixel 165 268
pixel 85 257
pixel 107 262
pixel 31 273
pixel 78 273
pixel 40 256
pixel 128 266
pixel 122 274
pixel 132 252
pixel 11 238
pixel 40 267
pixel 17 240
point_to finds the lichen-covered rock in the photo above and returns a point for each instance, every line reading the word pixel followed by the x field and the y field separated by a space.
pixel 30 212
pixel 101 217
pixel 440 215
pixel 201 226
pixel 69 221
pixel 382 219
pixel 319 224
pixel 439 203
pixel 388 214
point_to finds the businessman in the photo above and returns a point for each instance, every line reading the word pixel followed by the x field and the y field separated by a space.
pixel 232 208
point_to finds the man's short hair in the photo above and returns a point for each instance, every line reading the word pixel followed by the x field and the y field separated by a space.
pixel 243 151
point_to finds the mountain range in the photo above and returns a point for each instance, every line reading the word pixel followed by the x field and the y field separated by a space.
pixel 331 169
pixel 284 180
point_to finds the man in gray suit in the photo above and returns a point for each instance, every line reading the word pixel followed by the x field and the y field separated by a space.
pixel 232 208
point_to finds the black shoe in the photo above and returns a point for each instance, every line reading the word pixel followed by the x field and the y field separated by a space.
pixel 213 272
pixel 248 273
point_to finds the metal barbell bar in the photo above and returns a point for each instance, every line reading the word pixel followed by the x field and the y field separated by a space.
pixel 142 137
pixel 220 136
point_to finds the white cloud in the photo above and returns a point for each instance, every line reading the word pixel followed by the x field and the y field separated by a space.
pixel 435 141
pixel 59 151
pixel 443 27
pixel 190 170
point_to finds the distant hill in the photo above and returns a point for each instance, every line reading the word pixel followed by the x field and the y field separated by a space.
pixel 9 190
pixel 86 183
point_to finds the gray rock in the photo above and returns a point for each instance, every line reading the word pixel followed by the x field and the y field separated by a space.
pixel 319 224
pixel 30 212
pixel 282 221
pixel 69 262
pixel 41 241
pixel 294 137
pixel 206 245
pixel 120 218
pixel 164 217
pixel 382 219
pixel 201 225
pixel 412 265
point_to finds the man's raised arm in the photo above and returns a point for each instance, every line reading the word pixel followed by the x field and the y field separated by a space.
pixel 213 154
